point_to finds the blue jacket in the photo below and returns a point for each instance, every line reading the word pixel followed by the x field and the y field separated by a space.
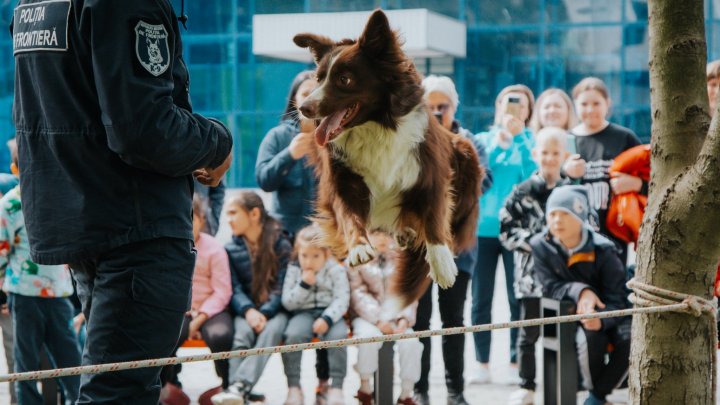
pixel 241 274
pixel 107 139
pixel 509 167
pixel 465 261
pixel 595 265
pixel 292 182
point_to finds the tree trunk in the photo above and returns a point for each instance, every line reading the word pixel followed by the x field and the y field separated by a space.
pixel 671 360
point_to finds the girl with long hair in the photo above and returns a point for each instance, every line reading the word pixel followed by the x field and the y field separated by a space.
pixel 259 253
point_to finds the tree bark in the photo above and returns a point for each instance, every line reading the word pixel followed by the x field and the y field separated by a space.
pixel 671 360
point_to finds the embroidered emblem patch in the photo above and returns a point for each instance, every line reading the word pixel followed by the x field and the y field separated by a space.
pixel 151 47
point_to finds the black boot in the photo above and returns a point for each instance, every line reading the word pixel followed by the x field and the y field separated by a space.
pixel 422 397
pixel 456 398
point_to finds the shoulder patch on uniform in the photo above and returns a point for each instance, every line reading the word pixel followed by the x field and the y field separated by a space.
pixel 151 47
pixel 41 26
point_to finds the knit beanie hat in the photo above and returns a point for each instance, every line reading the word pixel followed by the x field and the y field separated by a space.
pixel 571 199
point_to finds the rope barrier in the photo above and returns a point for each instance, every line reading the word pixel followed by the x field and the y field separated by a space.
pixel 649 299
pixel 650 296
pixel 129 365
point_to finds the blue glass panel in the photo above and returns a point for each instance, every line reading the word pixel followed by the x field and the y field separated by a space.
pixel 587 11
pixel 448 8
pixel 207 16
pixel 279 6
pixel 317 6
pixel 512 12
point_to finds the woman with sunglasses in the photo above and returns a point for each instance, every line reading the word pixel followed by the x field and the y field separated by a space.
pixel 441 98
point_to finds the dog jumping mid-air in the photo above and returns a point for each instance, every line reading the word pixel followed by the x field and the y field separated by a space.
pixel 385 163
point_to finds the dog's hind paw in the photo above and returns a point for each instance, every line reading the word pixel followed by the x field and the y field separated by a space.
pixel 361 254
pixel 442 266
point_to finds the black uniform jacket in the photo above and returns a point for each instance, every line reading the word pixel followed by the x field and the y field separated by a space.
pixel 106 134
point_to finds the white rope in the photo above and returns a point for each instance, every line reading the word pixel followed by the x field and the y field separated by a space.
pixel 129 365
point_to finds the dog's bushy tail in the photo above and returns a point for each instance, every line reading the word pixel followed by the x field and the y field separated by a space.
pixel 410 280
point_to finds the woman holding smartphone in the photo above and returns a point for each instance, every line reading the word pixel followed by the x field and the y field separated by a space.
pixel 508 144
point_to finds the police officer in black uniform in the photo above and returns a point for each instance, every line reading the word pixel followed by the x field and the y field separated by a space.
pixel 108 145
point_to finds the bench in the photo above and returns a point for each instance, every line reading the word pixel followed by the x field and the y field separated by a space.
pixel 384 376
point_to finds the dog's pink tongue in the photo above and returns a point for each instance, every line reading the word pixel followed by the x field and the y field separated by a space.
pixel 327 126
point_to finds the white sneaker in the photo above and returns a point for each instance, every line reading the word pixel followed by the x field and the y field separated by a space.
pixel 335 397
pixel 482 376
pixel 522 397
pixel 232 395
pixel 512 376
pixel 227 398
pixel 295 396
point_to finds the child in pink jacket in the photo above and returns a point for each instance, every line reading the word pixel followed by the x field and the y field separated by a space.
pixel 369 288
pixel 208 318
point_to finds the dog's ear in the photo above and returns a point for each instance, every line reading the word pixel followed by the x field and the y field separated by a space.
pixel 378 38
pixel 318 44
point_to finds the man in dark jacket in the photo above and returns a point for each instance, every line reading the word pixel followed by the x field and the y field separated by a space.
pixel 574 262
pixel 108 145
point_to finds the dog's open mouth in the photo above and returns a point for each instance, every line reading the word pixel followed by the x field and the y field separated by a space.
pixel 334 124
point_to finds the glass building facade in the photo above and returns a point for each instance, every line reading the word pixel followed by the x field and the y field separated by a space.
pixel 540 43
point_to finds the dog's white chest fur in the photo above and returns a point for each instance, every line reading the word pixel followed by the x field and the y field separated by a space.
pixel 387 160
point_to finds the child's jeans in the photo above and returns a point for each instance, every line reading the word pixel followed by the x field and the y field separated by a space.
pixel 248 370
pixel 39 324
pixel 601 378
pixel 409 350
pixel 299 330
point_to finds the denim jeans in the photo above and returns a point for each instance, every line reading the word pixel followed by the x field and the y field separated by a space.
pixel 483 288
pixel 43 324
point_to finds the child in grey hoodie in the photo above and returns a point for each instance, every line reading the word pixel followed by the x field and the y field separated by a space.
pixel 317 294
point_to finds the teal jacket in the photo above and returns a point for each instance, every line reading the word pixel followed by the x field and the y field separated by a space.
pixel 509 167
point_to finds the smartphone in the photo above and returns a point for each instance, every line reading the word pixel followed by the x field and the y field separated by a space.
pixel 571 146
pixel 513 107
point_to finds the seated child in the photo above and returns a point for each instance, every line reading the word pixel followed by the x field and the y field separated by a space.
pixel 317 294
pixel 208 318
pixel 522 217
pixel 574 262
pixel 259 254
pixel 369 286
pixel 38 299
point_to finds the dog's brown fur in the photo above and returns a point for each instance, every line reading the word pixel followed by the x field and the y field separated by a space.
pixel 441 208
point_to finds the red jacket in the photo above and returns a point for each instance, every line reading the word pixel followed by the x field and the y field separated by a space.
pixel 627 209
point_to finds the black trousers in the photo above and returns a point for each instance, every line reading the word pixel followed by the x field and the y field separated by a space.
pixel 217 332
pixel 606 377
pixel 134 298
pixel 451 304
pixel 528 336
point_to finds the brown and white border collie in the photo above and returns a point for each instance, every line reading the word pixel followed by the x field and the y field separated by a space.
pixel 385 163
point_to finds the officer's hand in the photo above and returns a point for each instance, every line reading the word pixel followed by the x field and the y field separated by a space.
pixel 212 177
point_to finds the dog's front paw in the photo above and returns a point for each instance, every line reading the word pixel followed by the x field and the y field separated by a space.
pixel 405 238
pixel 361 254
pixel 442 266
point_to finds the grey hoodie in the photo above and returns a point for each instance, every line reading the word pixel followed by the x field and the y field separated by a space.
pixel 330 292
